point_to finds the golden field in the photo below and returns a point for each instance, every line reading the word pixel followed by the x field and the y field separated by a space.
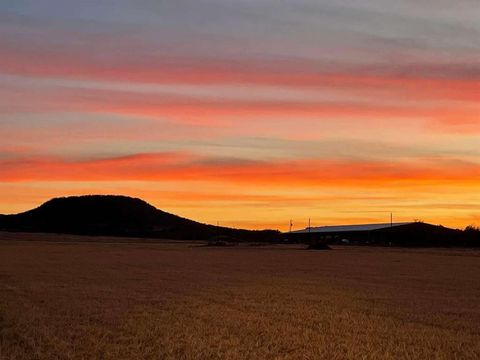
pixel 67 297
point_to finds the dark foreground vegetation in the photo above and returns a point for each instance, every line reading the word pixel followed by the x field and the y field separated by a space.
pixel 416 234
pixel 102 215
pixel 122 216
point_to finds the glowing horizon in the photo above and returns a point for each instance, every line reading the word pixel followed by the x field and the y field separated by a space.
pixel 247 113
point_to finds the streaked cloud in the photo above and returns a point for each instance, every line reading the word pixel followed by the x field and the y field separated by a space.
pixel 182 166
pixel 292 106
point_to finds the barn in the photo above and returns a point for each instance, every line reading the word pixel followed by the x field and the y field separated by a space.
pixel 399 234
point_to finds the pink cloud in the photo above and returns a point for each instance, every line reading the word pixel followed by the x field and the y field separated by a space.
pixel 188 167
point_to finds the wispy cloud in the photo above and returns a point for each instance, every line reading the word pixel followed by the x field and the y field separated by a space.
pixel 183 167
pixel 273 101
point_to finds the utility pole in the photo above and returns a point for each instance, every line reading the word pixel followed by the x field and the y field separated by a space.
pixel 311 241
pixel 291 225
pixel 391 219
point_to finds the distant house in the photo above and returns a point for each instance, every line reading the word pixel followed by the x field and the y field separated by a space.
pixel 406 233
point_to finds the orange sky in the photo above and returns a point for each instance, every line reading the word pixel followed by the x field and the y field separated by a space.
pixel 250 114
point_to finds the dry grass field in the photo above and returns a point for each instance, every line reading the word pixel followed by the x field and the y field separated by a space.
pixel 65 299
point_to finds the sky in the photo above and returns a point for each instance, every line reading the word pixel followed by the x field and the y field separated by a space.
pixel 247 113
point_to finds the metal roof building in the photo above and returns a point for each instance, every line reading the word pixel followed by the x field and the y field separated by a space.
pixel 349 228
pixel 405 233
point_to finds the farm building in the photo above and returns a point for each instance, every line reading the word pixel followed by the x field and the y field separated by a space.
pixel 406 233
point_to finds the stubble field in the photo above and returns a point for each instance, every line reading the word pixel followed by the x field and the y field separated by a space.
pixel 64 298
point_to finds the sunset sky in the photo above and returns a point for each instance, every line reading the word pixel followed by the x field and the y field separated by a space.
pixel 250 113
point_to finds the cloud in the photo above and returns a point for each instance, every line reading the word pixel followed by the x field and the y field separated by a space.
pixel 188 167
pixel 458 123
pixel 34 48
pixel 211 110
pixel 380 96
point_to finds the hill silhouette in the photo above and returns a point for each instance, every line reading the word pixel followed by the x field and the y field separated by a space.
pixel 114 215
